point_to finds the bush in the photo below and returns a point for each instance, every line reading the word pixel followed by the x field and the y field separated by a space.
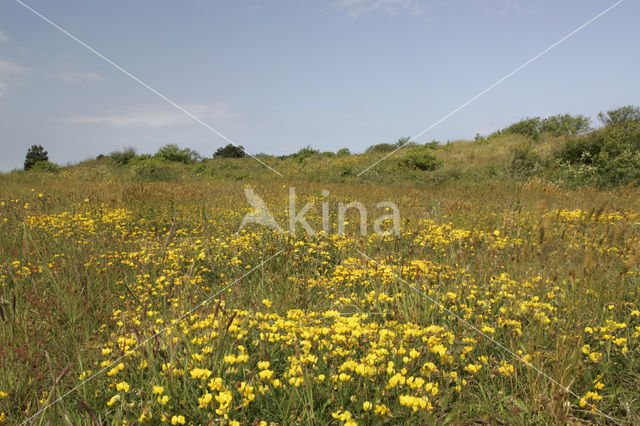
pixel 404 141
pixel 381 147
pixel 420 161
pixel 525 161
pixel 529 127
pixel 343 152
pixel 35 154
pixel 230 151
pixel 623 115
pixel 612 153
pixel 566 124
pixel 123 157
pixel 46 166
pixel 305 153
pixel 173 153
pixel 557 125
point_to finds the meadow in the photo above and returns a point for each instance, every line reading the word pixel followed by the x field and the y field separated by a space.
pixel 506 298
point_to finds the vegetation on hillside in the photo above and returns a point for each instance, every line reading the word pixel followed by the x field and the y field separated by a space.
pixel 562 149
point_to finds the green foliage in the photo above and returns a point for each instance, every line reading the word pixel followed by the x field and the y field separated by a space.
pixel 305 153
pixel 46 166
pixel 381 147
pixel 565 124
pixel 343 152
pixel 230 151
pixel 623 115
pixel 174 153
pixel 529 127
pixel 35 154
pixel 557 125
pixel 155 169
pixel 420 160
pixel 612 153
pixel 123 157
pixel 525 162
pixel 403 141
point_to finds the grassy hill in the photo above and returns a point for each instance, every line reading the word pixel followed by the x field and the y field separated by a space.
pixel 510 293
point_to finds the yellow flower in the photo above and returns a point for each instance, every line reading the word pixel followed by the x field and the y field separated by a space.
pixel 414 402
pixel 158 390
pixel 506 369
pixel 381 410
pixel 473 368
pixel 366 406
pixel 122 386
pixel 344 377
pixel 265 374
pixel 204 400
pixel 113 400
pixel 200 373
pixel 177 420
pixel 595 357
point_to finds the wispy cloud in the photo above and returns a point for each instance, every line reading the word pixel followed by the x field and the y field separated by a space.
pixel 75 77
pixel 10 67
pixel 9 71
pixel 357 8
pixel 3 36
pixel 155 116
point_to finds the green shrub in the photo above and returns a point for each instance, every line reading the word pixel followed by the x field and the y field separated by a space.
pixel 35 154
pixel 565 124
pixel 381 147
pixel 623 115
pixel 525 161
pixel 612 153
pixel 343 152
pixel 123 157
pixel 174 153
pixel 529 127
pixel 404 141
pixel 46 166
pixel 305 153
pixel 230 151
pixel 557 125
pixel 420 161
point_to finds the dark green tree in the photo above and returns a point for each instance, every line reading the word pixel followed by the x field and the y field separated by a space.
pixel 230 151
pixel 35 154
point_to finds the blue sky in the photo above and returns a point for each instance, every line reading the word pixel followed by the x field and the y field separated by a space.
pixel 280 75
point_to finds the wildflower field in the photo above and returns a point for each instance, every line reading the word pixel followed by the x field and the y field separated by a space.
pixel 127 301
